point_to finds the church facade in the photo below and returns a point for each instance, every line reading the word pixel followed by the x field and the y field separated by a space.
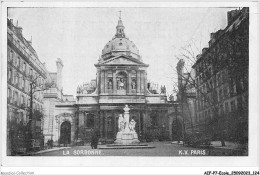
pixel 121 78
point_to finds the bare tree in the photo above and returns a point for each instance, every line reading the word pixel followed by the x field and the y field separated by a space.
pixel 228 55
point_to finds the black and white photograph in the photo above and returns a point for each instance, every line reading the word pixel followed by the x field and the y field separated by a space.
pixel 144 82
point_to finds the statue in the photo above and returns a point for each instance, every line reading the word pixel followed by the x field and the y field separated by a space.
pixel 121 84
pixel 126 133
pixel 132 125
pixel 133 84
pixel 110 84
pixel 121 123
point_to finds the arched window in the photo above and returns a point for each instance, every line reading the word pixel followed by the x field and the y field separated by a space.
pixel 121 81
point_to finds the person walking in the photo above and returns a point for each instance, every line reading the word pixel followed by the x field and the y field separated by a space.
pixel 94 140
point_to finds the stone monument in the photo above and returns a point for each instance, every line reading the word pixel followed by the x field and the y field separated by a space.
pixel 126 130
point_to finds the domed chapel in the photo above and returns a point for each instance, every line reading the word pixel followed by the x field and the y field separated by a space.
pixel 121 78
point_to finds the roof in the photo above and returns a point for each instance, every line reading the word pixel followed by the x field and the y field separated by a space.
pixel 120 44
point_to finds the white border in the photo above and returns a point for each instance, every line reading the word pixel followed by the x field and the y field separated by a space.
pixel 251 160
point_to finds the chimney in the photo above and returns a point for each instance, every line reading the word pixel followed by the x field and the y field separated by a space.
pixel 19 29
pixel 198 56
pixel 59 65
pixel 204 50
pixel 30 42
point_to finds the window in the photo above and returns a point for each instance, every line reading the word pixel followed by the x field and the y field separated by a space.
pixel 24 66
pixel 89 121
pixel 233 106
pixel 9 95
pixel 9 73
pixel 15 97
pixel 18 61
pixel 16 78
pixel 11 55
pixel 22 100
pixel 23 83
pixel 226 107
pixel 30 72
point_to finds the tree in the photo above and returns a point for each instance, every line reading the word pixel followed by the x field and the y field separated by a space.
pixel 35 114
pixel 228 55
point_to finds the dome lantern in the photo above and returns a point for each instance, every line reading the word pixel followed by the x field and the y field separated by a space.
pixel 120 28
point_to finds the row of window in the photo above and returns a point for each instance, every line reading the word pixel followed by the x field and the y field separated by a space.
pixel 226 107
pixel 19 80
pixel 15 118
pixel 21 65
pixel 28 51
pixel 19 99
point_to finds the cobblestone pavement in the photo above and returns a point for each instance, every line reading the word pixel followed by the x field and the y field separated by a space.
pixel 161 149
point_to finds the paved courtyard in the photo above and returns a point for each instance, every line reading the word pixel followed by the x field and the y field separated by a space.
pixel 161 149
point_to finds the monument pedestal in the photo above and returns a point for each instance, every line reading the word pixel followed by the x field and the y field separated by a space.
pixel 126 138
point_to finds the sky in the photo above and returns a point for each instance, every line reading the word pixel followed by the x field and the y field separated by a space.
pixel 78 35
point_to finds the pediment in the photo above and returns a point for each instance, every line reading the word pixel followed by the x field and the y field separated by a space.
pixel 122 60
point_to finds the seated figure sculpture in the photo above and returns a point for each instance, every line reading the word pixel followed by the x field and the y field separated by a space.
pixel 132 125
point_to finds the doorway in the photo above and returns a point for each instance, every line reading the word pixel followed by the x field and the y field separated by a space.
pixel 65 133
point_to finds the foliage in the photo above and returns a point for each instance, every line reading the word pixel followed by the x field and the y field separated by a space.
pixel 197 139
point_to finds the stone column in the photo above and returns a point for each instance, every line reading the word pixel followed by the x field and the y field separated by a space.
pixel 139 121
pixel 73 128
pixel 105 125
pixel 129 82
pixel 138 81
pixel 114 123
pixel 145 82
pixel 102 81
pixel 142 81
pixel 114 82
pixel 105 81
pixel 101 124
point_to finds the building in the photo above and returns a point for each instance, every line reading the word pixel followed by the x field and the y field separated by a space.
pixel 25 76
pixel 121 79
pixel 222 79
pixel 52 96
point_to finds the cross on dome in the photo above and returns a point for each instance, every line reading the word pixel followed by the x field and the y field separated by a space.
pixel 120 28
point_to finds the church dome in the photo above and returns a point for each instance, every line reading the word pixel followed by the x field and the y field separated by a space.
pixel 120 45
